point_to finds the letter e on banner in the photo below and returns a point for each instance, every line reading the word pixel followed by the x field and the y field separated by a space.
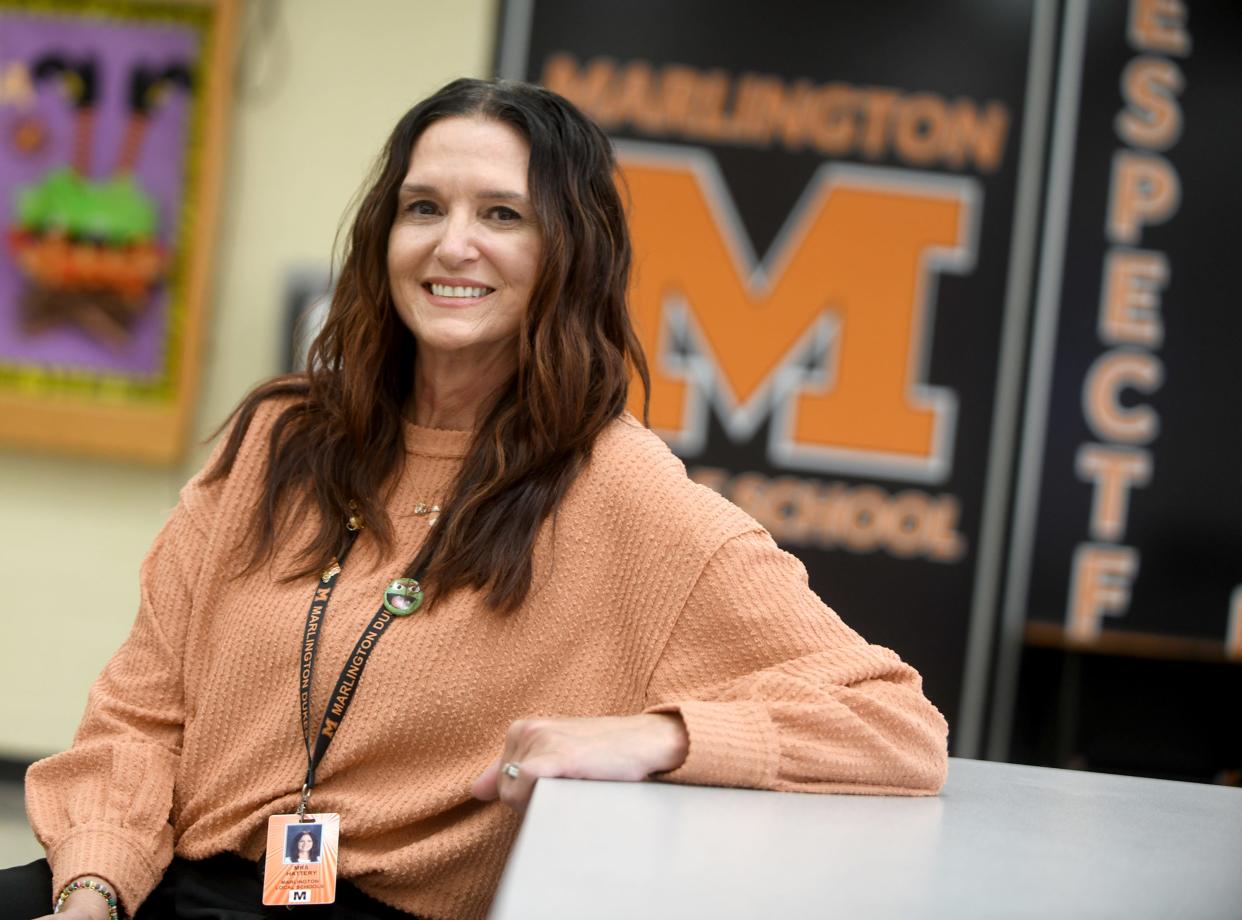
pixel 851 275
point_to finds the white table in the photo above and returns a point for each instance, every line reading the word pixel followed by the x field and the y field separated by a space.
pixel 1000 841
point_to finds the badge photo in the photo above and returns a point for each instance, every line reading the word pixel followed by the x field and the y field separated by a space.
pixel 300 865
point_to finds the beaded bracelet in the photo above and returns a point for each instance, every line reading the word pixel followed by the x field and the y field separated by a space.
pixel 104 891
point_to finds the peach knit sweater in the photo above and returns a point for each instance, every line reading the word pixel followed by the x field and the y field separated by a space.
pixel 650 593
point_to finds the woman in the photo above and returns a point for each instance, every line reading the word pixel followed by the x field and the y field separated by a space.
pixel 302 847
pixel 580 608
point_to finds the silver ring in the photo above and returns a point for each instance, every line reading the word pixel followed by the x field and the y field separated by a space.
pixel 511 769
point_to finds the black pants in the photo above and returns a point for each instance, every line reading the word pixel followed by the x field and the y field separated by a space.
pixel 224 887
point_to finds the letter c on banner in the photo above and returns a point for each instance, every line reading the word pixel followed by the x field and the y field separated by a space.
pixel 1112 372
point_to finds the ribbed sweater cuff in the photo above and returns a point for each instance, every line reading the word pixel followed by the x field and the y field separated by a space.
pixel 108 854
pixel 731 744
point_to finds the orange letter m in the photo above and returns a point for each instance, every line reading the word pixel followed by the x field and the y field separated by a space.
pixel 850 278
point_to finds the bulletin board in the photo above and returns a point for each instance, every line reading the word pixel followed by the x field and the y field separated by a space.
pixel 112 122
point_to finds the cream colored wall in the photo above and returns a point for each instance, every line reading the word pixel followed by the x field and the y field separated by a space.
pixel 321 90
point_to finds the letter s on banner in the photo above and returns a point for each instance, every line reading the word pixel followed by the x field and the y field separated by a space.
pixel 851 275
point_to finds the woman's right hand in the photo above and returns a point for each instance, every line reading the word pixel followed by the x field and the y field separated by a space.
pixel 82 904
pixel 78 913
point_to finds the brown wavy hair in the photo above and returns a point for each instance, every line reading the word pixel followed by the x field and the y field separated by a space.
pixel 339 440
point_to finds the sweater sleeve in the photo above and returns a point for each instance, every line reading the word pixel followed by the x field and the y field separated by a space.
pixel 776 692
pixel 103 807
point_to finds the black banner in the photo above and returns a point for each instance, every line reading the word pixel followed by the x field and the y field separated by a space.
pixel 834 233
pixel 1128 534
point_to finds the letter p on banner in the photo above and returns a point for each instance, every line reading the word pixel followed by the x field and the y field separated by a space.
pixel 851 274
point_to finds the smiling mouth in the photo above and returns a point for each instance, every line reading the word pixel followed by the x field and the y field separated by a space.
pixel 465 293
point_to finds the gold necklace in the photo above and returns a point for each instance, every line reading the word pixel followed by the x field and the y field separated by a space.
pixel 421 509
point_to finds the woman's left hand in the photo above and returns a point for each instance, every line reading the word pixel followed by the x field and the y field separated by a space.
pixel 624 748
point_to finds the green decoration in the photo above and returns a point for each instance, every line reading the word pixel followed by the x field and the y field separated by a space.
pixel 115 211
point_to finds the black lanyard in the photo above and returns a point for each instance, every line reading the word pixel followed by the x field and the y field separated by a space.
pixel 346 683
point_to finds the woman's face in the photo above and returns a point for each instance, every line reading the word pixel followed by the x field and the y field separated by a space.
pixel 464 248
pixel 306 843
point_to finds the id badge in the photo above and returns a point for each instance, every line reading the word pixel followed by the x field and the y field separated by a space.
pixel 300 865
